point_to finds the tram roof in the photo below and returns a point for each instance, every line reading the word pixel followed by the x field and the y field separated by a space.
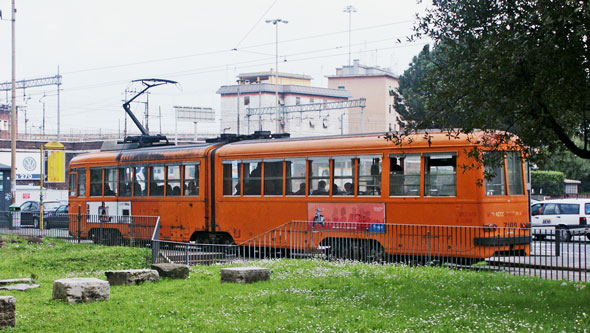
pixel 155 153
pixel 349 143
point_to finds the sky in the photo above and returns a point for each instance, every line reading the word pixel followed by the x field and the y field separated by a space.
pixel 99 47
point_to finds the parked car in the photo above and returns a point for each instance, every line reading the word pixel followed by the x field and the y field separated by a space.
pixel 569 217
pixel 58 218
pixel 30 211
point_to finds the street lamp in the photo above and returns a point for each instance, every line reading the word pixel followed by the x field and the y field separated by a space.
pixel 349 9
pixel 276 23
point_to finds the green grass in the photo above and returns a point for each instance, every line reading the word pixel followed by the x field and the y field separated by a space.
pixel 302 295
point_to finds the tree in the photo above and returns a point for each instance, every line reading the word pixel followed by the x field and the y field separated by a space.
pixel 518 66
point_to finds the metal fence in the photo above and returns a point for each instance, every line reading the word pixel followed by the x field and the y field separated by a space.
pixel 521 251
pixel 97 229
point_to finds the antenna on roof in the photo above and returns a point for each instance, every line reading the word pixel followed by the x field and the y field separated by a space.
pixel 145 139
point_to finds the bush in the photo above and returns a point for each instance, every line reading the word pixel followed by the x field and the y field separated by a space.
pixel 548 182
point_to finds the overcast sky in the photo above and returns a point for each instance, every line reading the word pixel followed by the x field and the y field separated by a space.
pixel 100 46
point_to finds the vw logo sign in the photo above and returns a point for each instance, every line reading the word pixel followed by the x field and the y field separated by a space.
pixel 29 163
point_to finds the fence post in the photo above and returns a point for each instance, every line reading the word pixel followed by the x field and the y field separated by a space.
pixel 187 255
pixel 79 223
pixel 557 242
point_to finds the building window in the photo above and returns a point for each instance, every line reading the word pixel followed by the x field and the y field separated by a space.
pixel 311 100
pixel 297 100
pixel 246 100
pixel 341 87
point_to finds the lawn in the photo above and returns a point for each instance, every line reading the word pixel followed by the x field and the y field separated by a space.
pixel 302 295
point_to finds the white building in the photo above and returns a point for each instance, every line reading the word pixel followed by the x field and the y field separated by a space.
pixel 258 92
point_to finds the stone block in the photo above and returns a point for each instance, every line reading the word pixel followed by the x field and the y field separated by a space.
pixel 80 290
pixel 245 274
pixel 19 287
pixel 7 311
pixel 132 276
pixel 173 271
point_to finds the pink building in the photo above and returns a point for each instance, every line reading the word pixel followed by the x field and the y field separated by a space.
pixel 374 84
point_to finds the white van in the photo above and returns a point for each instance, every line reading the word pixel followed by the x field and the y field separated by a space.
pixel 570 216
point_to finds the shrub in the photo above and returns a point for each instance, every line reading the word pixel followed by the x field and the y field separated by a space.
pixel 548 182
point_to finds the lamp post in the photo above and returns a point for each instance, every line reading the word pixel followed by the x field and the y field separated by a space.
pixel 13 113
pixel 276 23
pixel 349 9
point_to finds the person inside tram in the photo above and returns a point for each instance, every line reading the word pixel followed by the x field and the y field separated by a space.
pixel 301 190
pixel 321 190
pixel 349 189
pixel 191 188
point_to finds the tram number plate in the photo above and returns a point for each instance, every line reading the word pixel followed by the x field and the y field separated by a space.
pixel 546 221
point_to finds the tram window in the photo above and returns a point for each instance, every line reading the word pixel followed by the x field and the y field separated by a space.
pixel 440 177
pixel 82 182
pixel 73 184
pixel 515 181
pixel 404 176
pixel 232 173
pixel 125 181
pixel 369 175
pixel 319 176
pixel 191 180
pixel 157 180
pixel 252 178
pixel 110 182
pixel 344 170
pixel 296 177
pixel 173 181
pixel 140 182
pixel 273 178
pixel 95 182
pixel 494 171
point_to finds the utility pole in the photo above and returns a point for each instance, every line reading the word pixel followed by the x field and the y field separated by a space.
pixel 276 24
pixel 58 104
pixel 13 128
pixel 160 116
pixel 41 100
pixel 238 115
pixel 349 9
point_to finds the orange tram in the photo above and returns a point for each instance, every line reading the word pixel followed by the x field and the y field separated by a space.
pixel 225 192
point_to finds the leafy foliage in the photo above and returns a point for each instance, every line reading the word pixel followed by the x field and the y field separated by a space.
pixel 517 66
pixel 548 182
pixel 572 166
